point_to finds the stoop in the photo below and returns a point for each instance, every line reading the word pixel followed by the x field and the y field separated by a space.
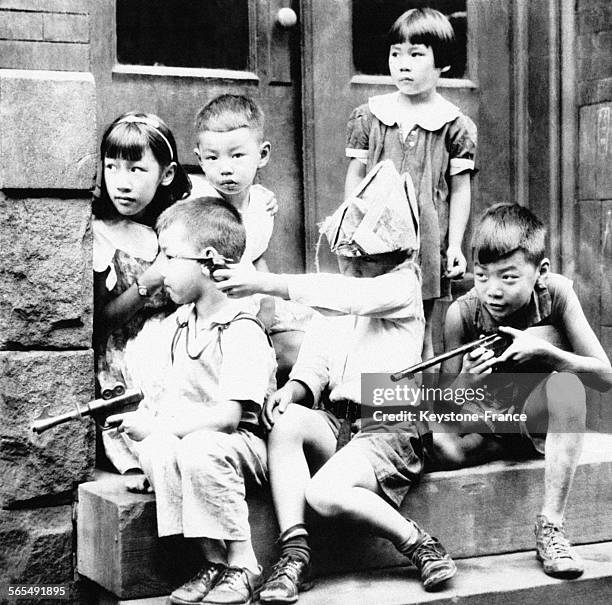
pixel 476 512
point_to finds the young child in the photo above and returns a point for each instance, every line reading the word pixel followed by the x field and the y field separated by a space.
pixel 231 148
pixel 376 325
pixel 514 290
pixel 200 443
pixel 427 137
pixel 140 177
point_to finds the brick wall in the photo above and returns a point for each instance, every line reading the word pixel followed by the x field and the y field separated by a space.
pixel 47 162
pixel 594 208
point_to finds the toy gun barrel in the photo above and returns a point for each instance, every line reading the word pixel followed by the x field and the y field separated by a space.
pixel 92 408
pixel 490 340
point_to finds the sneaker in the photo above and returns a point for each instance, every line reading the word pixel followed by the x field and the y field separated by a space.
pixel 287 579
pixel 433 563
pixel 236 586
pixel 554 550
pixel 199 586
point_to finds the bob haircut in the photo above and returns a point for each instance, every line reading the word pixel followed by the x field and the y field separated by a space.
pixel 207 221
pixel 128 138
pixel 428 27
pixel 229 112
pixel 507 228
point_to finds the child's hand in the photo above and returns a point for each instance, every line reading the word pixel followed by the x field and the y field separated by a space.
pixel 480 361
pixel 455 263
pixel 239 280
pixel 276 404
pixel 136 425
pixel 152 277
pixel 524 346
pixel 271 205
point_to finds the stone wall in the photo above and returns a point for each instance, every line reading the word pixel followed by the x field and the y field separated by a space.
pixel 47 163
pixel 594 207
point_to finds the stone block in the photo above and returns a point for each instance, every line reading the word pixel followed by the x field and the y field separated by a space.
pixel 20 26
pixel 48 129
pixel 48 465
pixel 36 547
pixel 66 28
pixel 60 56
pixel 45 274
pixel 54 6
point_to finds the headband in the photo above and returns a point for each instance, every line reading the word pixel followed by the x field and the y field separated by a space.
pixel 154 124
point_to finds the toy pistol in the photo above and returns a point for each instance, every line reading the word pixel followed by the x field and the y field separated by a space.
pixel 98 409
pixel 496 342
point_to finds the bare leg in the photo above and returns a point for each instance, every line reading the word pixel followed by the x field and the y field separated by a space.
pixel 297 434
pixel 567 420
pixel 240 553
pixel 428 350
pixel 347 486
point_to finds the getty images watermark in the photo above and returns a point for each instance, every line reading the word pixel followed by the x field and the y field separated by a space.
pixel 501 403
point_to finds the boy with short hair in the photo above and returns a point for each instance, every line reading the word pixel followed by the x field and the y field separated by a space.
pixel 514 290
pixel 231 148
pixel 200 443
pixel 376 325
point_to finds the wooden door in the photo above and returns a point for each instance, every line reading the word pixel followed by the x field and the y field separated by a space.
pixel 170 57
pixel 349 64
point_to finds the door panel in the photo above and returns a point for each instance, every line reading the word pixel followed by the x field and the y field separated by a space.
pixel 174 83
pixel 336 87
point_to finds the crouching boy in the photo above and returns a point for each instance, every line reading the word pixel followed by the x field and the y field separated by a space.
pixel 375 323
pixel 202 442
pixel 514 290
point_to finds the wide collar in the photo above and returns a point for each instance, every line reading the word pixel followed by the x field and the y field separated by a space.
pixel 388 110
pixel 187 315
pixel 536 311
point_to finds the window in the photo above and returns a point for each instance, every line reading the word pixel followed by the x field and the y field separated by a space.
pixel 373 18
pixel 184 33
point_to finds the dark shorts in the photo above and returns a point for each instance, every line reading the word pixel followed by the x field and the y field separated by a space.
pixel 396 457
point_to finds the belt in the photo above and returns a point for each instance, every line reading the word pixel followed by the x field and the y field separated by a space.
pixel 344 409
pixel 256 429
pixel 347 412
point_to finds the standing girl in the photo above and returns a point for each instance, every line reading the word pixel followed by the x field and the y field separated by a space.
pixel 427 137
pixel 140 177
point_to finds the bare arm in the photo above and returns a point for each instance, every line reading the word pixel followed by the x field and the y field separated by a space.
pixel 111 313
pixel 354 174
pixel 459 213
pixel 587 355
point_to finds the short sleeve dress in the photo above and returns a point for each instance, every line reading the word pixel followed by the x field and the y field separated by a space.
pixel 431 149
pixel 125 249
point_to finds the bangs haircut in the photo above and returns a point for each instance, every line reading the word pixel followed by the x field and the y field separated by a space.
pixel 129 140
pixel 230 112
pixel 425 26
pixel 207 221
pixel 507 228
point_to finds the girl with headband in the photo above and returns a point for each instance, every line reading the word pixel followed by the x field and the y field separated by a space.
pixel 140 177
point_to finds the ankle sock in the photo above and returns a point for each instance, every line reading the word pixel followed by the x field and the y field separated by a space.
pixel 294 542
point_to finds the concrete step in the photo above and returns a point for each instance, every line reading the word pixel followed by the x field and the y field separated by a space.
pixel 493 580
pixel 484 510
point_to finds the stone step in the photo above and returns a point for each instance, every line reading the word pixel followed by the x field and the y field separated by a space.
pixel 485 510
pixel 492 580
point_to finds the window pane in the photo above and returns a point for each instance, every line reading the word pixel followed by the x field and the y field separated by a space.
pixel 183 33
pixel 373 18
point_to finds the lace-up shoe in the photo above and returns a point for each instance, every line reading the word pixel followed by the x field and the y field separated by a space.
pixel 287 579
pixel 433 562
pixel 199 586
pixel 554 550
pixel 236 586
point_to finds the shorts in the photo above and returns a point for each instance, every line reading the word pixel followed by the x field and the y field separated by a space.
pixel 530 438
pixel 397 458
